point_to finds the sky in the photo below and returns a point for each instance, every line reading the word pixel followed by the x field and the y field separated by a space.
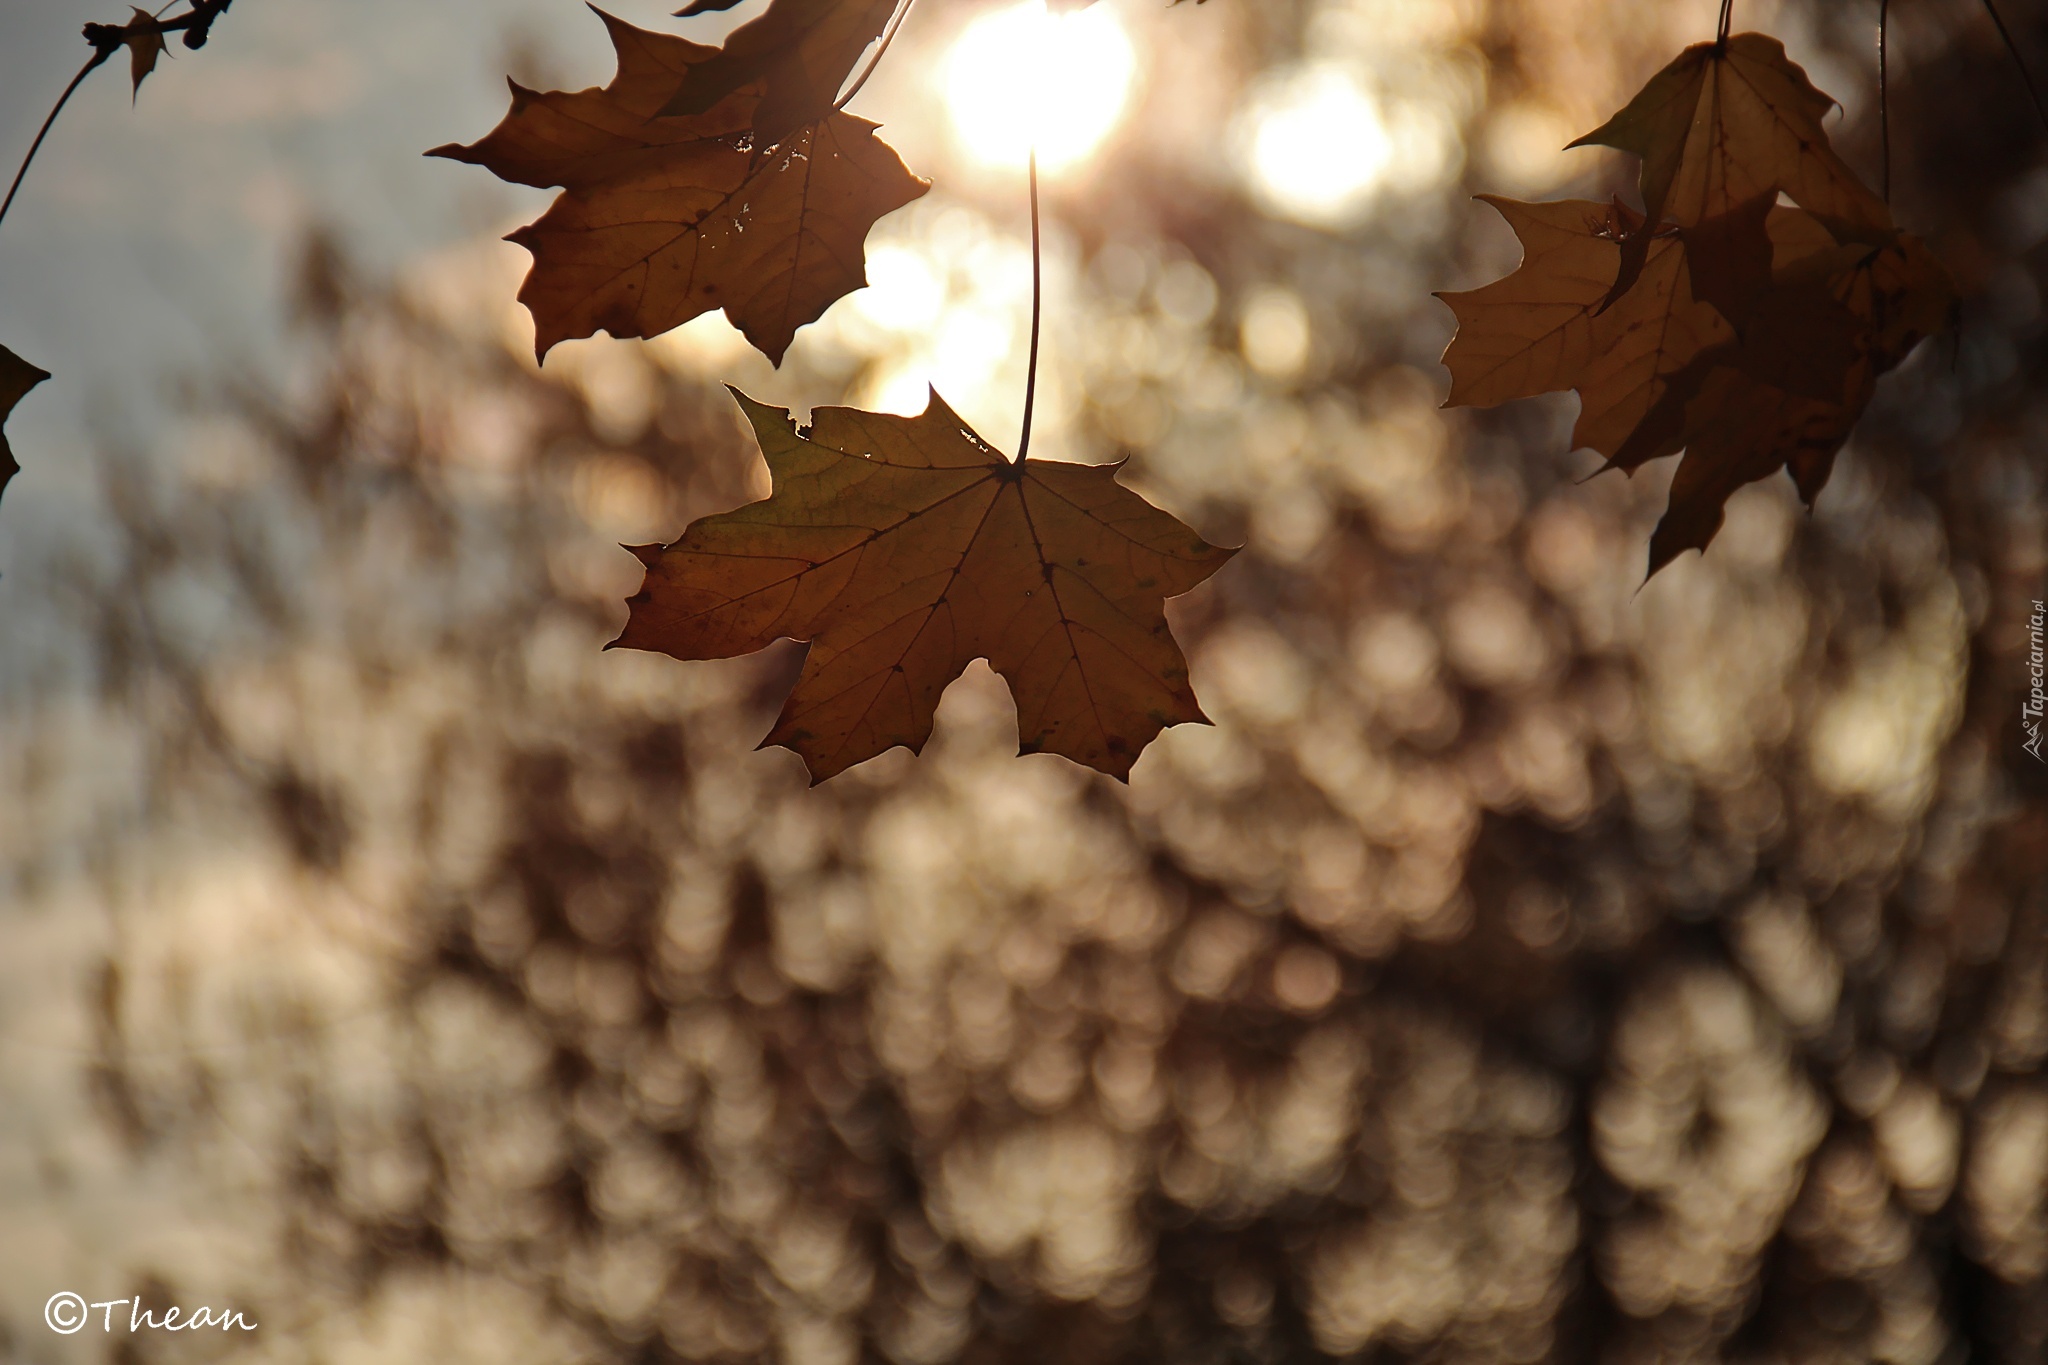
pixel 151 237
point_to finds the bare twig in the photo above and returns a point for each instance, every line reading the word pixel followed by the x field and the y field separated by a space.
pixel 2026 77
pixel 107 39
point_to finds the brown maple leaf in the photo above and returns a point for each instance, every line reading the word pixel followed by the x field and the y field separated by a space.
pixel 1541 328
pixel 800 51
pixel 17 377
pixel 145 40
pixel 1787 392
pixel 1725 123
pixel 1751 341
pixel 1729 258
pixel 904 548
pixel 665 218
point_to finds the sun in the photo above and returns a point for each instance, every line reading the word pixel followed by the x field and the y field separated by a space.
pixel 1021 73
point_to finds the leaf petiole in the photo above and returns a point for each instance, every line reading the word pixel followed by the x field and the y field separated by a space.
pixel 99 54
pixel 106 39
pixel 1037 313
pixel 888 37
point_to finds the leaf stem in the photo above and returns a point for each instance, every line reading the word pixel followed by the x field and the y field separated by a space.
pixel 106 39
pixel 1037 314
pixel 1727 21
pixel 1884 108
pixel 888 37
pixel 2026 77
pixel 99 54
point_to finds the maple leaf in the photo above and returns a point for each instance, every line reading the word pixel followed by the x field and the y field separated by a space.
pixel 145 40
pixel 801 51
pixel 1723 124
pixel 1751 341
pixel 665 218
pixel 1787 392
pixel 17 377
pixel 1729 258
pixel 904 548
pixel 1541 328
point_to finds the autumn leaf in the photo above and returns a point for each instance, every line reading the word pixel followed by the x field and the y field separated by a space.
pixel 1773 373
pixel 904 548
pixel 1745 333
pixel 665 218
pixel 801 51
pixel 17 377
pixel 1720 126
pixel 145 40
pixel 1790 390
pixel 1729 258
pixel 1541 328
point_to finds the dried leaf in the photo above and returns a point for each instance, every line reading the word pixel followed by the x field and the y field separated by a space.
pixel 1540 329
pixel 1789 392
pixel 1722 125
pixel 1740 429
pixel 1729 256
pixel 801 51
pixel 17 377
pixel 145 40
pixel 904 548
pixel 1664 371
pixel 666 218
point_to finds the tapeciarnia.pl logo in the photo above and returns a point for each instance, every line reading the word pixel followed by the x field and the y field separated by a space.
pixel 2037 696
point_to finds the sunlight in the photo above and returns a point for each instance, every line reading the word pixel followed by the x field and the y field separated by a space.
pixel 903 293
pixel 1020 70
pixel 1318 146
pixel 1321 146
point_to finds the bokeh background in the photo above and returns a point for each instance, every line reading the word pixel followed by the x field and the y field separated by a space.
pixel 1530 964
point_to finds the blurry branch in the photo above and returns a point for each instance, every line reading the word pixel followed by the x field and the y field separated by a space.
pixel 2026 76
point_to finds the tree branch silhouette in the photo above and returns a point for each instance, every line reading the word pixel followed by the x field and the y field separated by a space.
pixel 107 39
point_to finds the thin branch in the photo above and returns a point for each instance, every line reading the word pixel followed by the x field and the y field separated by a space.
pixel 1037 313
pixel 99 54
pixel 2026 78
pixel 106 40
pixel 888 37
pixel 1884 108
pixel 196 23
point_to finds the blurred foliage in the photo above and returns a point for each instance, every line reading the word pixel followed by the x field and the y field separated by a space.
pixel 1524 967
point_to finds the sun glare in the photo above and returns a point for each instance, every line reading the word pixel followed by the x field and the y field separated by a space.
pixel 1022 72
pixel 1322 146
